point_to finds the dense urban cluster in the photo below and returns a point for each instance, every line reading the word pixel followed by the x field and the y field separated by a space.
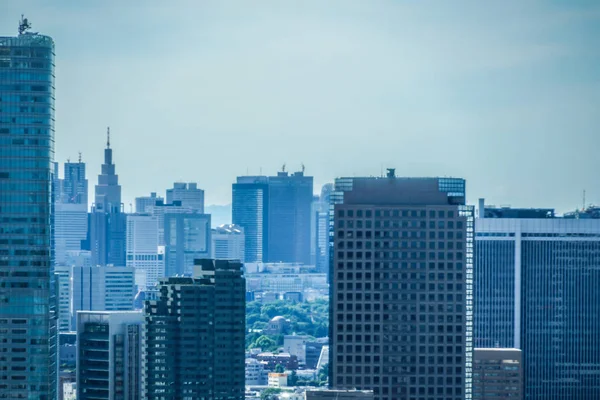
pixel 376 288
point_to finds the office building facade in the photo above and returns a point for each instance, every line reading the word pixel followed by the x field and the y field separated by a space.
pixel 109 355
pixel 63 287
pixel 188 194
pixel 187 238
pixel 250 210
pixel 102 289
pixel 194 335
pixel 275 212
pixel 70 229
pixel 107 218
pixel 401 278
pixel 497 374
pixel 74 184
pixel 27 315
pixel 228 243
pixel 536 290
pixel 143 251
pixel 144 204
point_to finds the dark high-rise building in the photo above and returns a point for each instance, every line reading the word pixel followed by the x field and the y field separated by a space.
pixel 250 210
pixel 321 221
pixel 107 219
pixel 27 316
pixel 194 335
pixel 109 355
pixel 401 287
pixel 275 213
pixel 536 289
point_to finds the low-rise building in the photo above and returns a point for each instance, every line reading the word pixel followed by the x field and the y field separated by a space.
pixel 277 379
pixel 338 394
pixel 255 373
pixel 271 360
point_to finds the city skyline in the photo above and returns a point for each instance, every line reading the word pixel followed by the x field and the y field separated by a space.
pixel 452 83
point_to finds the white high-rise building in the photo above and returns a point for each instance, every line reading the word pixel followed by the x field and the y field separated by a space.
pixel 63 284
pixel 143 250
pixel 228 242
pixel 109 348
pixel 70 228
pixel 102 289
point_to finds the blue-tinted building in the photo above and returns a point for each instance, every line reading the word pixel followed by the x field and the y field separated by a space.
pixel 107 223
pixel 536 289
pixel 27 317
pixel 250 210
pixel 275 212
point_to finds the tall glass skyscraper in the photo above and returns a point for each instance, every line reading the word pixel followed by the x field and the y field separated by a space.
pixel 27 320
pixel 536 289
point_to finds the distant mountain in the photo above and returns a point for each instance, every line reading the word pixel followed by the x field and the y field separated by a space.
pixel 220 214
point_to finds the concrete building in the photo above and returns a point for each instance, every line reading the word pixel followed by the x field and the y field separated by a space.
pixel 194 335
pixel 27 315
pixel 255 373
pixel 144 204
pixel 536 289
pixel 275 212
pixel 143 250
pixel 102 289
pixel 497 374
pixel 228 243
pixel 63 285
pixel 401 287
pixel 70 229
pixel 109 355
pixel 187 238
pixel 188 194
pixel 277 379
pixel 296 346
pixel 107 218
pixel 338 395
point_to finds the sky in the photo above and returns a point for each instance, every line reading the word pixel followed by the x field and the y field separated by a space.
pixel 505 94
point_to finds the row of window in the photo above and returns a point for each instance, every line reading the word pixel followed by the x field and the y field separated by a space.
pixel 396 213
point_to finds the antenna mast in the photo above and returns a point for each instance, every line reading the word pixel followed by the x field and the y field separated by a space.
pixel 108 137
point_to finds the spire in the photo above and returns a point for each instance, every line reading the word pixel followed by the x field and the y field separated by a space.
pixel 108 137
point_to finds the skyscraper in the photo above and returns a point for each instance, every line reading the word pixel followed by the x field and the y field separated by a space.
pixel 321 218
pixel 75 184
pixel 144 204
pixel 63 287
pixel 250 210
pixel 275 212
pixel 187 237
pixel 70 229
pixel 290 198
pixel 188 194
pixel 497 374
pixel 109 354
pixel 27 315
pixel 143 252
pixel 228 243
pixel 401 287
pixel 102 289
pixel 536 289
pixel 194 335
pixel 107 219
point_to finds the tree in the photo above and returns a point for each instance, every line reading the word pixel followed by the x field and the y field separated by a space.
pixel 293 379
pixel 324 373
pixel 265 343
pixel 270 394
pixel 279 368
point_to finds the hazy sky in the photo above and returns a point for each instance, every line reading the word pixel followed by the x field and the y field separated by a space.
pixel 503 93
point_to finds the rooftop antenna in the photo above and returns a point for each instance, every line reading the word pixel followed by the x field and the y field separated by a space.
pixel 583 209
pixel 303 167
pixel 79 157
pixel 283 168
pixel 23 25
pixel 108 137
